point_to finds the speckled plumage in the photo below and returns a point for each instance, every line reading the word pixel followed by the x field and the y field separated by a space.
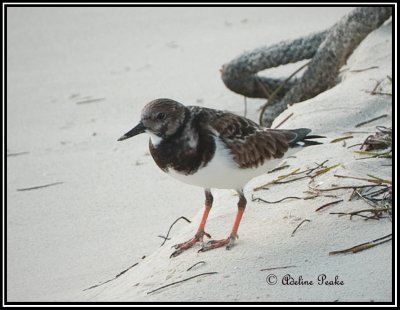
pixel 192 145
pixel 212 149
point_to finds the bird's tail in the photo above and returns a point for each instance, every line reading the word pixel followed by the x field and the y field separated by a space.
pixel 302 135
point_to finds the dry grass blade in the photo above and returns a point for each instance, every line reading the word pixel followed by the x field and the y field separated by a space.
pixel 198 263
pixel 90 100
pixel 321 165
pixel 275 268
pixel 340 187
pixel 286 118
pixel 382 93
pixel 373 91
pixel 301 223
pixel 374 154
pixel 173 283
pixel 325 170
pixel 341 139
pixel 276 180
pixel 374 179
pixel 363 246
pixel 361 70
pixel 118 275
pixel 308 173
pixel 292 180
pixel 17 154
pixel 371 120
pixel 278 168
pixel 38 187
pixel 369 202
pixel 328 204
pixel 376 213
pixel 353 145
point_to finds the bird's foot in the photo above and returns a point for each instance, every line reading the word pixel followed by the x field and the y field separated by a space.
pixel 213 244
pixel 181 247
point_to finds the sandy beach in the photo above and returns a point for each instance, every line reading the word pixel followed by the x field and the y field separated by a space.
pixel 77 79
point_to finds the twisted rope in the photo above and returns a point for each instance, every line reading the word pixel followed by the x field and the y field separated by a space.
pixel 328 51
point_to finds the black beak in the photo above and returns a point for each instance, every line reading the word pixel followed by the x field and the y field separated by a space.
pixel 133 132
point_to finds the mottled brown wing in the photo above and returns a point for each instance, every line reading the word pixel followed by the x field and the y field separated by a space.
pixel 249 144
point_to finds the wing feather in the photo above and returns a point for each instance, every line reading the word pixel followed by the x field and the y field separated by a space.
pixel 249 144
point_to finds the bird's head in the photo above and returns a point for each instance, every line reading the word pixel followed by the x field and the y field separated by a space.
pixel 160 118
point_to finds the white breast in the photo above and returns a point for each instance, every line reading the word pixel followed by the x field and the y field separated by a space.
pixel 155 140
pixel 222 172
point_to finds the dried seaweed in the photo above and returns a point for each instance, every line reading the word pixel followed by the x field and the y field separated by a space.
pixel 381 140
pixel 166 237
pixel 115 277
pixel 280 200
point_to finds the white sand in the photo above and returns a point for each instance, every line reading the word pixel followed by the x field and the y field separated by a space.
pixel 114 201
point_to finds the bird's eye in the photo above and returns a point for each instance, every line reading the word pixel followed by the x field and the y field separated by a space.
pixel 160 116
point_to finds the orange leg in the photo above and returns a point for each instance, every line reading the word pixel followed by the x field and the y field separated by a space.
pixel 228 242
pixel 198 237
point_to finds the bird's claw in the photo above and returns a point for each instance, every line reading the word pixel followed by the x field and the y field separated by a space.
pixel 176 253
pixel 181 247
pixel 214 244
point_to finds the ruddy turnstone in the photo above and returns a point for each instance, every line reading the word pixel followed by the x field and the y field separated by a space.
pixel 213 149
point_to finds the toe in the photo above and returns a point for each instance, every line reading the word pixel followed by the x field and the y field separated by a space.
pixel 229 246
pixel 214 244
pixel 175 253
pixel 207 235
pixel 231 242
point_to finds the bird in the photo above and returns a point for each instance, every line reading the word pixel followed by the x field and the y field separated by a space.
pixel 213 149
